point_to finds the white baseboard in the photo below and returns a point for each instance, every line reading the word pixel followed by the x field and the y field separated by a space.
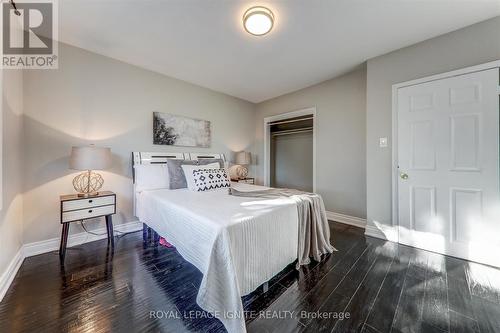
pixel 373 231
pixel 382 231
pixel 346 219
pixel 10 273
pixel 35 248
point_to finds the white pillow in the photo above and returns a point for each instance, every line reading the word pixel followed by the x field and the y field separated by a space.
pixel 210 179
pixel 188 172
pixel 151 177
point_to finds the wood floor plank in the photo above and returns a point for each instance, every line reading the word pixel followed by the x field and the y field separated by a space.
pixel 270 325
pixel 459 297
pixel 364 297
pixel 484 281
pixel 98 290
pixel 316 298
pixel 357 272
pixel 292 298
pixel 369 329
pixel 418 264
pixel 299 285
pixel 408 317
pixel 331 312
pixel 435 311
pixel 487 315
pixel 384 309
pixel 462 324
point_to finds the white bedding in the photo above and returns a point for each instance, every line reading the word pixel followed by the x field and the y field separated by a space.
pixel 237 243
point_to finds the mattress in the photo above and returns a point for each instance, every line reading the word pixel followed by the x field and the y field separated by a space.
pixel 237 243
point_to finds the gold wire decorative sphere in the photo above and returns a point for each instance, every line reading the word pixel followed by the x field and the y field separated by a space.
pixel 88 183
pixel 238 172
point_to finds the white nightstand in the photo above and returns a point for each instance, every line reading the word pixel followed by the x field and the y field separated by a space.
pixel 246 181
pixel 75 208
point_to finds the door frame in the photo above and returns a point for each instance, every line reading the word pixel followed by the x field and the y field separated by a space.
pixel 395 124
pixel 267 140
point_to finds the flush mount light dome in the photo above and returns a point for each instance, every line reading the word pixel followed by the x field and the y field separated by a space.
pixel 258 20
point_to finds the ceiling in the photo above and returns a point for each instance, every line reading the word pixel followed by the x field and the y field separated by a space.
pixel 203 41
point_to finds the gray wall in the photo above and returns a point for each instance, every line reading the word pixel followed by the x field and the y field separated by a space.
pixel 292 161
pixel 340 138
pixel 469 46
pixel 95 99
pixel 11 214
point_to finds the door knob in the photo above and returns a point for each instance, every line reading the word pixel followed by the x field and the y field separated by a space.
pixel 403 176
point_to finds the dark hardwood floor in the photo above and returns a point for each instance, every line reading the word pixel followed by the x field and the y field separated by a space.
pixel 377 286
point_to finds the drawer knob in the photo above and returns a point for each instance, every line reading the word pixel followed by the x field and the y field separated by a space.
pixel 90 211
pixel 90 201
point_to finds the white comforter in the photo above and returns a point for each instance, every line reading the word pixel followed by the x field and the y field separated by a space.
pixel 237 243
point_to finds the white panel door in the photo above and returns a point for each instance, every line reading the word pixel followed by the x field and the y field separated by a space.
pixel 448 158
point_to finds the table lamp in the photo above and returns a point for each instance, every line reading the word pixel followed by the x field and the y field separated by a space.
pixel 240 170
pixel 89 158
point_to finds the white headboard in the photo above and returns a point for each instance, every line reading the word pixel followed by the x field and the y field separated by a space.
pixel 140 157
pixel 201 156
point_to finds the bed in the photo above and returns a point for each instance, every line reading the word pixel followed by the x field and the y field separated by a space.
pixel 237 243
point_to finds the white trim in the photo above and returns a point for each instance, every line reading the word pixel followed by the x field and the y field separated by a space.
pixel 201 156
pixel 461 71
pixel 395 87
pixel 145 157
pixel 394 153
pixel 267 139
pixel 346 219
pixel 10 273
pixel 373 231
pixel 292 114
pixel 2 92
pixel 382 231
pixel 35 248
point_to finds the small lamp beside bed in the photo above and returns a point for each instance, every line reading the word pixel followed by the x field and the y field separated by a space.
pixel 89 158
pixel 240 170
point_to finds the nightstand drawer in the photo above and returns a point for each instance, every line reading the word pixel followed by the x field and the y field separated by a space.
pixel 88 213
pixel 87 203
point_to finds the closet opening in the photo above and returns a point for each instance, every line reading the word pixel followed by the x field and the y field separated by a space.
pixel 290 150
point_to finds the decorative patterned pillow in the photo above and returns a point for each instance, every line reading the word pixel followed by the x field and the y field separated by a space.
pixel 188 172
pixel 176 174
pixel 210 179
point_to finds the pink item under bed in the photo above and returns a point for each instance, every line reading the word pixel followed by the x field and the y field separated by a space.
pixel 163 242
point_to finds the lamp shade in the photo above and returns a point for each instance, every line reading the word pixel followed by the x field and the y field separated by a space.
pixel 90 158
pixel 243 157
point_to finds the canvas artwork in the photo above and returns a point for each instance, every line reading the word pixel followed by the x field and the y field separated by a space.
pixel 173 130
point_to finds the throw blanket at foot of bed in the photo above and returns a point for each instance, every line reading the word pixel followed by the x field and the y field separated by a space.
pixel 314 232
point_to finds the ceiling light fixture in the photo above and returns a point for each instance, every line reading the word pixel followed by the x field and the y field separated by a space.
pixel 258 20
